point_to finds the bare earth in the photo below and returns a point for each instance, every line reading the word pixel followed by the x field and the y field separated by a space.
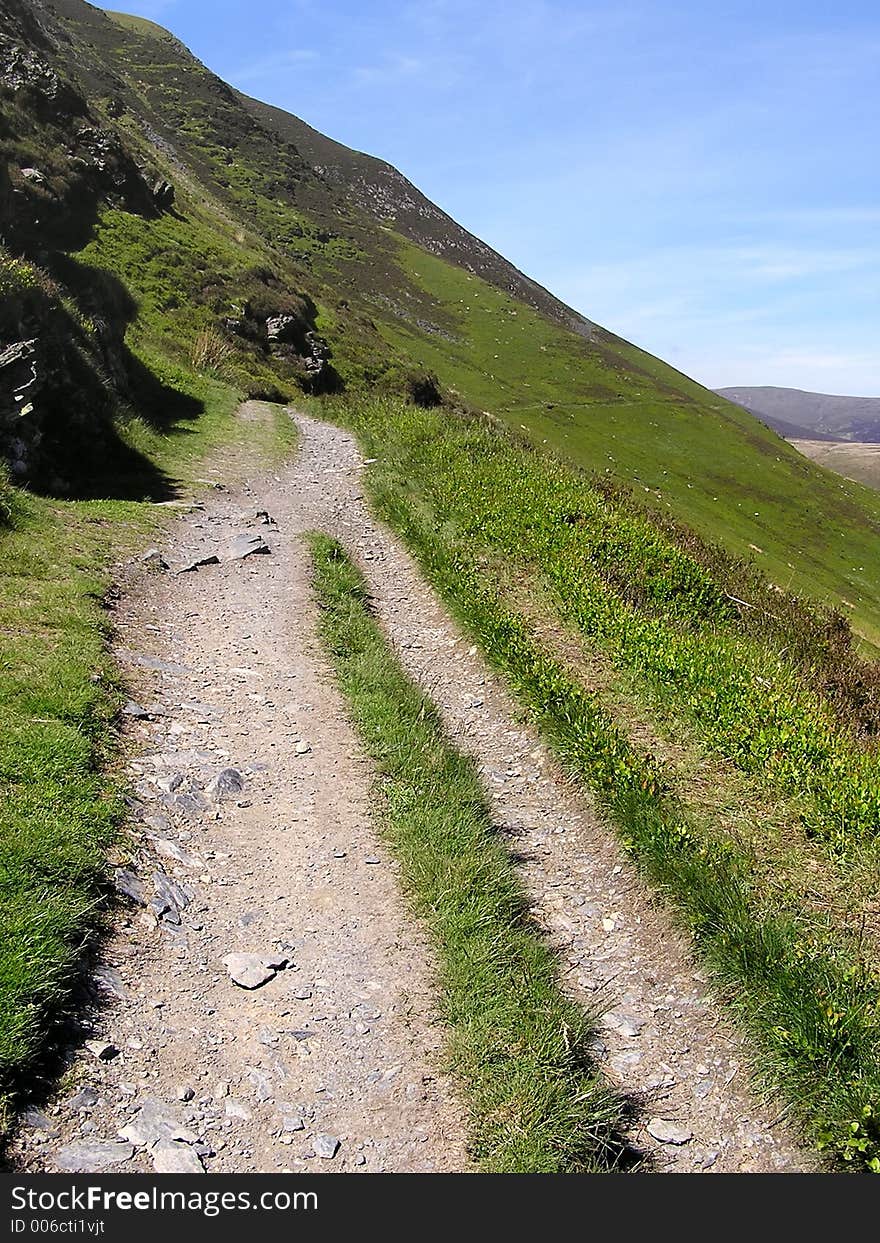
pixel 859 461
pixel 335 1062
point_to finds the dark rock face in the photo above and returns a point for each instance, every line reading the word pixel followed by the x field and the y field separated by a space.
pixel 23 71
pixel 5 196
pixel 283 328
pixel 163 195
pixel 59 383
pixel 20 384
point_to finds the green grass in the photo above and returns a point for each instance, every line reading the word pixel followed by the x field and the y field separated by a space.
pixel 658 611
pixel 613 409
pixel 57 812
pixel 469 501
pixel 519 1047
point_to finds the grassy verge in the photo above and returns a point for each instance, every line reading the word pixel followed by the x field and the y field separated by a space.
pixel 59 695
pixel 802 985
pixel 518 1045
pixel 659 611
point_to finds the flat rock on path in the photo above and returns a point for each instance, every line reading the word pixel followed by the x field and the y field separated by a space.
pixel 333 1062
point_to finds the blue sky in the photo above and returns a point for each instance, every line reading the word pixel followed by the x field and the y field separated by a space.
pixel 700 177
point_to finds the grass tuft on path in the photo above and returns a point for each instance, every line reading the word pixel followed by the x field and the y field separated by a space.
pixel 537 1103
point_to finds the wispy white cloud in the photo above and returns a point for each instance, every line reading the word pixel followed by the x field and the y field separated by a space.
pixel 271 65
pixel 390 70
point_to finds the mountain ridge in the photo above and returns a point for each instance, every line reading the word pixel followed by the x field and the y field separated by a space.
pixel 820 416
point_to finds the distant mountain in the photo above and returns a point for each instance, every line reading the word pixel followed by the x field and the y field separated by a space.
pixel 797 415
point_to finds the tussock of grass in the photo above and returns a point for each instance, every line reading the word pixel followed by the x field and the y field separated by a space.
pixel 537 1104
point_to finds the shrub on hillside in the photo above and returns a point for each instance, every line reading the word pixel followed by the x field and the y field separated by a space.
pixel 211 352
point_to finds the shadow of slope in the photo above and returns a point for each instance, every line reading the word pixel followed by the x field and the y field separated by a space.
pixel 66 404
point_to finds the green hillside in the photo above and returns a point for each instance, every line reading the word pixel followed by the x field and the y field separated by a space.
pixel 256 228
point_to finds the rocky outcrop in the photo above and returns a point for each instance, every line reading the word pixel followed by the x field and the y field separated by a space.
pixel 61 380
pixel 24 72
pixel 283 329
pixel 20 382
pixel 163 195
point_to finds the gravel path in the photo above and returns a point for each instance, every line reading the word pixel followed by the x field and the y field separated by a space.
pixel 334 1061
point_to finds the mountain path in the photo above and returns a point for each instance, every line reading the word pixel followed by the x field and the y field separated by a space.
pixel 335 1062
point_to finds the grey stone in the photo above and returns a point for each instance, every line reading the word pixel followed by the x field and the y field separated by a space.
pixel 171 891
pixel 292 1123
pixel 236 1109
pixel 227 784
pixel 188 758
pixel 668 1132
pixel 135 710
pixel 165 911
pixel 248 970
pixel 36 1120
pixel 85 1155
pixel 103 1050
pixel 171 850
pixel 626 1024
pixel 211 559
pixel 262 1086
pixel 127 883
pixel 326 1146
pixel 153 558
pixel 622 1063
pixel 157 822
pixel 302 747
pixel 170 782
pixel 245 545
pixel 156 663
pixel 188 805
pixel 282 328
pixel 169 1156
pixel 86 1098
pixel 155 1121
pixel 109 981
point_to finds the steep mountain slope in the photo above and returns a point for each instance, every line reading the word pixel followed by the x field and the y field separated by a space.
pixel 820 415
pixel 386 195
pixel 191 230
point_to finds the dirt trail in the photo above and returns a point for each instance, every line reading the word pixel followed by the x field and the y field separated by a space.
pixel 343 1043
pixel 341 1046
